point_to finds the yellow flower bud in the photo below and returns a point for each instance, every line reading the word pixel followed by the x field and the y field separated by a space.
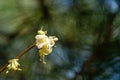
pixel 13 65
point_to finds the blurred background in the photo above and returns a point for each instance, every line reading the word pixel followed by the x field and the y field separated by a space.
pixel 88 32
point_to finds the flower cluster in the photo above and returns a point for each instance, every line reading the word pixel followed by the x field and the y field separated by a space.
pixel 44 44
pixel 13 65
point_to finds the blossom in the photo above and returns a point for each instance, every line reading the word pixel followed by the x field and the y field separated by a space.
pixel 13 65
pixel 44 43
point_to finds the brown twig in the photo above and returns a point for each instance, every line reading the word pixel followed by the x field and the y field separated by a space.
pixel 18 56
pixel 26 50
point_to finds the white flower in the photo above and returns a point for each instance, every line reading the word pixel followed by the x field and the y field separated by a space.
pixel 13 65
pixel 44 43
pixel 41 40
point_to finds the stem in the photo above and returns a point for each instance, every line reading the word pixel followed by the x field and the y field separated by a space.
pixel 26 50
pixel 18 56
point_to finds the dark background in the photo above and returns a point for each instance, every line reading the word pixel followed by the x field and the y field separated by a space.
pixel 88 32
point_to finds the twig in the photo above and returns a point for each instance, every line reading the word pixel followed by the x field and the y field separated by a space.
pixel 26 50
pixel 18 56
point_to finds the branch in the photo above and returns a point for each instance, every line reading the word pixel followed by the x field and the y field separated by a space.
pixel 109 30
pixel 98 53
pixel 18 56
pixel 45 10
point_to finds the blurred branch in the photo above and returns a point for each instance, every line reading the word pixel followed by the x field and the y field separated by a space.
pixel 18 56
pixel 44 9
pixel 98 52
pixel 109 30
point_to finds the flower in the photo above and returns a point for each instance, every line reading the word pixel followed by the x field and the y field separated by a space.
pixel 13 65
pixel 44 43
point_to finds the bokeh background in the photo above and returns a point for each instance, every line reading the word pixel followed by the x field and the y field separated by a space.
pixel 88 32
